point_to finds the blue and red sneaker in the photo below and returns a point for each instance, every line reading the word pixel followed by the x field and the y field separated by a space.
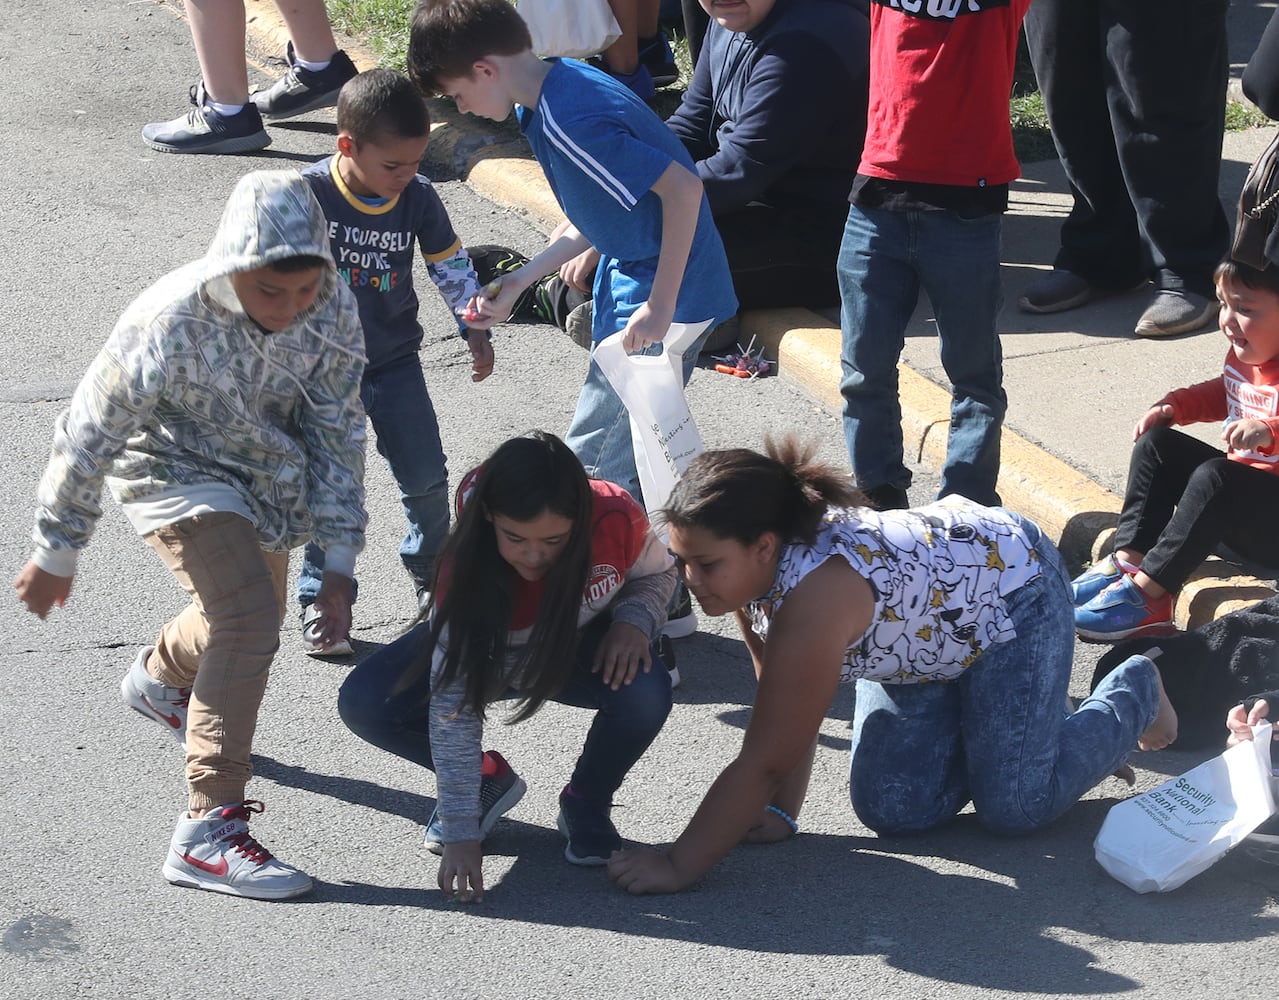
pixel 1095 579
pixel 1121 611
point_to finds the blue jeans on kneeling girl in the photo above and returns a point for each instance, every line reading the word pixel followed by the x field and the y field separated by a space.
pixel 998 735
pixel 626 720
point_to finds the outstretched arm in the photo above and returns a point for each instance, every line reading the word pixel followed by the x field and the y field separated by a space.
pixel 800 671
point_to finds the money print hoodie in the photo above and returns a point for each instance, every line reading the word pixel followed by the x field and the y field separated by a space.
pixel 191 406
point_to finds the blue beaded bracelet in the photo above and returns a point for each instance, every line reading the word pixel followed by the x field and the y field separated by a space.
pixel 790 820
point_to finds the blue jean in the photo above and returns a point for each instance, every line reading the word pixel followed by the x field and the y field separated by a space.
pixel 600 434
pixel 884 260
pixel 626 720
pixel 408 437
pixel 999 735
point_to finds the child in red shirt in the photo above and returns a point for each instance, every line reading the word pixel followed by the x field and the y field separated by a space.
pixel 1185 497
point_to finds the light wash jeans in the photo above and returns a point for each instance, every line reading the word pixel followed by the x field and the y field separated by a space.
pixel 884 260
pixel 999 735
pixel 600 434
pixel 408 437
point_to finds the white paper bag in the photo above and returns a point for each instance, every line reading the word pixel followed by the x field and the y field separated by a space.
pixel 1157 841
pixel 573 28
pixel 651 386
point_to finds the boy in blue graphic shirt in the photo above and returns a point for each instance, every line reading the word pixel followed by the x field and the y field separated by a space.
pixel 624 181
pixel 377 207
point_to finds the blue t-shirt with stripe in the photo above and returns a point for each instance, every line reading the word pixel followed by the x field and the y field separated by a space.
pixel 602 149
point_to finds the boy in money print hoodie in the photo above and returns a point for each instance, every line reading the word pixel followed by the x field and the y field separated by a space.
pixel 224 414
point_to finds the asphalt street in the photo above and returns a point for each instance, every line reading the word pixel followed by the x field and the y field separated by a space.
pixel 89 791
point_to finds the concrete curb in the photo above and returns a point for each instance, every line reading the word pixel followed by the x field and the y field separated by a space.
pixel 495 162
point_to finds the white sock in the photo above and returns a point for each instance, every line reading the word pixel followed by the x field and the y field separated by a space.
pixel 314 67
pixel 225 110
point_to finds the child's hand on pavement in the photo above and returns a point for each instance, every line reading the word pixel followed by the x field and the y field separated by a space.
pixel 41 591
pixel 334 603
pixel 622 653
pixel 481 355
pixel 1159 415
pixel 1240 723
pixel 1247 435
pixel 461 873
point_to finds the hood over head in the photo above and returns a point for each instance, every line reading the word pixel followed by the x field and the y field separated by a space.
pixel 270 216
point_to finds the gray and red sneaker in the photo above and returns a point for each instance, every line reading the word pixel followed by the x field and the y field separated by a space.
pixel 155 699
pixel 217 853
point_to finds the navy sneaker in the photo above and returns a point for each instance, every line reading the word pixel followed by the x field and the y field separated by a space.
pixel 301 90
pixel 498 795
pixel 666 650
pixel 681 619
pixel 592 837
pixel 656 54
pixel 203 130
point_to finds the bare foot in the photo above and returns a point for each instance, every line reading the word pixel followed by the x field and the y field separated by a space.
pixel 1164 729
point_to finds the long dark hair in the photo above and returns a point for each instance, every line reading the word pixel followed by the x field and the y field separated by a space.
pixel 524 478
pixel 738 493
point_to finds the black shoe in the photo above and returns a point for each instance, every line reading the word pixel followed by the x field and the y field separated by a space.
pixel 681 619
pixel 203 130
pixel 301 90
pixel 491 262
pixel 885 497
pixel 592 837
pixel 666 650
pixel 656 54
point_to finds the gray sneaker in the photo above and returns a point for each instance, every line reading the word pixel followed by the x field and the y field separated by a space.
pixel 154 699
pixel 203 130
pixel 1174 312
pixel 311 644
pixel 301 90
pixel 579 325
pixel 498 796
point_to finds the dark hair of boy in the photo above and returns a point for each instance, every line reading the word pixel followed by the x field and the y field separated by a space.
pixel 381 103
pixel 524 478
pixel 302 262
pixel 447 37
pixel 739 494
pixel 1233 272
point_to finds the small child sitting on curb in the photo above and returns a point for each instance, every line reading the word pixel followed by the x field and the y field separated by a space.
pixel 1184 497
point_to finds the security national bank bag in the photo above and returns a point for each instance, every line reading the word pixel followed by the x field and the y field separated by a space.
pixel 1159 840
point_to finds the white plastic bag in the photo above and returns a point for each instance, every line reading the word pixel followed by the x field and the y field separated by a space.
pixel 1157 841
pixel 651 386
pixel 573 28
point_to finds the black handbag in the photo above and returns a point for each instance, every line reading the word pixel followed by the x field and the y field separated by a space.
pixel 1257 224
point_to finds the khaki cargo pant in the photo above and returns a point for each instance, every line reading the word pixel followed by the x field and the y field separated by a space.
pixel 221 645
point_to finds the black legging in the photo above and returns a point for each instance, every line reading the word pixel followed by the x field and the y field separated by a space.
pixel 1184 498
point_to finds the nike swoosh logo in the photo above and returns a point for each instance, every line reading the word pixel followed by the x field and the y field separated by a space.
pixel 217 871
pixel 172 721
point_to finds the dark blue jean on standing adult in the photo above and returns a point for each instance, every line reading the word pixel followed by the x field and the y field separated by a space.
pixel 885 259
pixel 999 735
pixel 626 720
pixel 408 437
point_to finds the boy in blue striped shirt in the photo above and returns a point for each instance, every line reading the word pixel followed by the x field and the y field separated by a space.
pixel 624 181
